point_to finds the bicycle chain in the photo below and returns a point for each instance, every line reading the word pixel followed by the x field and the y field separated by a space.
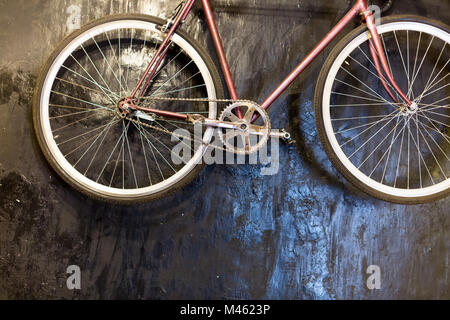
pixel 185 100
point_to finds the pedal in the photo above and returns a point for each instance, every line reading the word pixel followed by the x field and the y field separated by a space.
pixel 284 136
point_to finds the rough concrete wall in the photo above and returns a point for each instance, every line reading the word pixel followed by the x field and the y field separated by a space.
pixel 304 233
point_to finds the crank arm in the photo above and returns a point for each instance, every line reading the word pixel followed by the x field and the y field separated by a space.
pixel 144 116
pixel 221 124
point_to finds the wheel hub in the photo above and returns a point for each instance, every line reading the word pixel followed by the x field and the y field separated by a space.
pixel 125 107
pixel 409 110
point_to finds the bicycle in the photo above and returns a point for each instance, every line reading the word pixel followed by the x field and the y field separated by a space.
pixel 112 95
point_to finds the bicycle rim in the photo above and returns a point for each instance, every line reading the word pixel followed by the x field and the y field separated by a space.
pixel 108 156
pixel 385 148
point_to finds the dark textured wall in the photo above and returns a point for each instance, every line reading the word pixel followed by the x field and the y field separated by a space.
pixel 302 234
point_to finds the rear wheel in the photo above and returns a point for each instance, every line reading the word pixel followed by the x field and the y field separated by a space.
pixel 76 109
pixel 386 150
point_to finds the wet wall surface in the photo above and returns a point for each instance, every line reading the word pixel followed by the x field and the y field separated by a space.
pixel 304 233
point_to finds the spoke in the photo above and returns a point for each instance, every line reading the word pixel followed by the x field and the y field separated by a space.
pixel 367 141
pixel 435 129
pixel 120 65
pixel 439 114
pixel 187 81
pixel 151 147
pixel 435 107
pixel 170 61
pixel 87 141
pixel 399 157
pixel 123 154
pixel 421 157
pixel 99 146
pixel 106 60
pixel 122 139
pixel 357 118
pixel 176 74
pixel 407 59
pixel 111 154
pixel 92 78
pixel 389 154
pixel 128 66
pixel 93 143
pixel 425 116
pixel 184 89
pixel 432 72
pixel 80 86
pixel 358 97
pixel 95 67
pixel 359 104
pixel 382 141
pixel 117 59
pixel 418 152
pixel 403 61
pixel 390 68
pixel 370 71
pixel 370 61
pixel 385 118
pixel 395 135
pixel 410 91
pixel 440 88
pixel 434 102
pixel 83 134
pixel 415 60
pixel 69 107
pixel 360 81
pixel 74 113
pixel 75 122
pixel 368 93
pixel 145 157
pixel 409 144
pixel 443 152
pixel 182 141
pixel 366 124
pixel 156 149
pixel 132 162
pixel 433 82
pixel 103 89
pixel 81 100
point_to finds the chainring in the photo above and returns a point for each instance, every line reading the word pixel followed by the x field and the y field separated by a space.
pixel 249 137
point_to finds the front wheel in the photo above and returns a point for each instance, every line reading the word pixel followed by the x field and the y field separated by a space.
pixel 76 109
pixel 386 150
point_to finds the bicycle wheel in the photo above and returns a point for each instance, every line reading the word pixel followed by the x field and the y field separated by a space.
pixel 384 149
pixel 76 103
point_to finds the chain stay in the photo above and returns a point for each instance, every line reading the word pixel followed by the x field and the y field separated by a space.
pixel 195 118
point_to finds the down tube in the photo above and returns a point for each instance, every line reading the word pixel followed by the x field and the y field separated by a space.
pixel 302 66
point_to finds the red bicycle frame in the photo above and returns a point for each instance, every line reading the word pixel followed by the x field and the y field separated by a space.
pixel 360 8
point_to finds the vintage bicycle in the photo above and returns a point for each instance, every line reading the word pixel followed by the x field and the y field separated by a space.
pixel 112 96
